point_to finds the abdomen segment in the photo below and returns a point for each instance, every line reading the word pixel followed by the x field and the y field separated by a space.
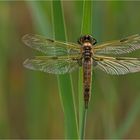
pixel 87 80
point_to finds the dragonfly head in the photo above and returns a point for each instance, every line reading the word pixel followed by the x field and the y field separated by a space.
pixel 87 38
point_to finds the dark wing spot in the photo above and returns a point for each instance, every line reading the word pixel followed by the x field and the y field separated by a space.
pixel 50 40
pixel 101 59
pixel 54 57
pixel 119 58
pixel 123 40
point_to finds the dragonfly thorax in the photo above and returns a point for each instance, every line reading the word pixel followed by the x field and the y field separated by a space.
pixel 87 51
pixel 87 38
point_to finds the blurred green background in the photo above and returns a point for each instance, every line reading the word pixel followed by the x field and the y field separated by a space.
pixel 29 101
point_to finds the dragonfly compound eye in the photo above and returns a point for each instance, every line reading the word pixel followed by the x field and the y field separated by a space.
pixel 94 41
pixel 80 40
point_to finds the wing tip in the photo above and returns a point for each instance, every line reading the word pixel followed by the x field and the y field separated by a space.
pixel 27 63
pixel 25 39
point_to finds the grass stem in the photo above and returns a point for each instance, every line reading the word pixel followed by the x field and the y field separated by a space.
pixel 86 29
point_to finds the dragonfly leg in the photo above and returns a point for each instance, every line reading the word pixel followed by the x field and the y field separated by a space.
pixel 79 61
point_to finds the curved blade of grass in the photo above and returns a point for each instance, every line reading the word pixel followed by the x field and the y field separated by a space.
pixel 39 16
pixel 86 29
pixel 65 90
pixel 64 81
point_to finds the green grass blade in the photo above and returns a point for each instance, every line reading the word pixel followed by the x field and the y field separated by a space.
pixel 129 120
pixel 41 21
pixel 65 86
pixel 87 17
pixel 86 29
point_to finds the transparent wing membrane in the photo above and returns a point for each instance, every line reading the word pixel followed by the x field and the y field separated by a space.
pixel 54 65
pixel 50 47
pixel 118 65
pixel 62 57
pixel 117 47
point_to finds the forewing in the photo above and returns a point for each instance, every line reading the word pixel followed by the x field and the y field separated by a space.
pixel 50 47
pixel 118 65
pixel 54 65
pixel 117 47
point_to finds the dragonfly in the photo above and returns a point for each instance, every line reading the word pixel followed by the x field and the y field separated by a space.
pixel 65 57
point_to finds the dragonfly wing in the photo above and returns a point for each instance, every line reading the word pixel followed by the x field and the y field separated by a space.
pixel 50 47
pixel 117 47
pixel 118 65
pixel 54 65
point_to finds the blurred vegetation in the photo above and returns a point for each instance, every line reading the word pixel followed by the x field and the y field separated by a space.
pixel 30 106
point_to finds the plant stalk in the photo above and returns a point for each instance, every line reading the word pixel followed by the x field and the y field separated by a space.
pixel 86 29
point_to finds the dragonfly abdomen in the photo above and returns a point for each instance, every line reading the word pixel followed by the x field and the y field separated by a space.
pixel 87 71
pixel 87 78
